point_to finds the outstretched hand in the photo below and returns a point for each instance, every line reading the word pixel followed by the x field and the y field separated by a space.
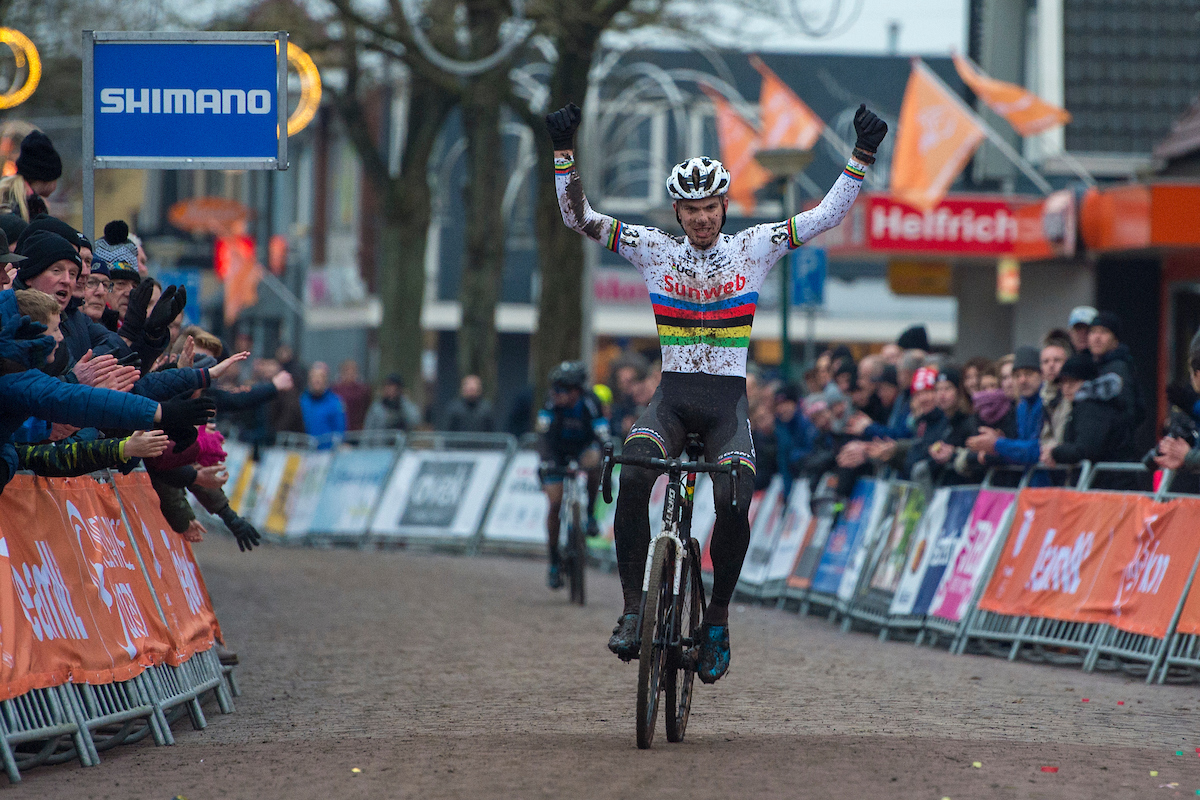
pixel 870 130
pixel 562 125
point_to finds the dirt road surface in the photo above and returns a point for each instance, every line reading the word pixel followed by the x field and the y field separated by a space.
pixel 453 677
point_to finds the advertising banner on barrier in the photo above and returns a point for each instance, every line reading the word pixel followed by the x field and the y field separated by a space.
pixel 888 498
pixel 438 494
pixel 171 566
pixel 763 533
pixel 944 545
pixel 279 500
pixel 85 608
pixel 268 472
pixel 518 514
pixel 306 492
pixel 237 455
pixel 850 529
pixel 1147 567
pixel 896 544
pixel 353 485
pixel 706 564
pixel 1054 560
pixel 815 539
pixel 792 530
pixel 985 528
pixel 918 553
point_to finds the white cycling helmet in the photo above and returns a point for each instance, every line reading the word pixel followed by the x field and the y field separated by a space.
pixel 698 178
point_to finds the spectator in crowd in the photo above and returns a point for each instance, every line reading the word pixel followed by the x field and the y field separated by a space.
pixel 951 397
pixel 1078 325
pixel 928 427
pixel 1025 448
pixel 284 414
pixel 1060 338
pixel 887 389
pixel 891 354
pixel 1004 368
pixel 120 254
pixel 1056 404
pixel 96 284
pixel 1112 357
pixel 1095 429
pixel 811 381
pixel 766 446
pixel 324 414
pixel 285 357
pixel 1177 450
pixel 355 394
pixel 823 366
pixel 470 412
pixel 865 393
pixel 794 435
pixel 8 263
pixel 38 168
pixel 392 409
pixel 973 372
pixel 627 373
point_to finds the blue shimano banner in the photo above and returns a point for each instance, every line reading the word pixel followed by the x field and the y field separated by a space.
pixel 186 100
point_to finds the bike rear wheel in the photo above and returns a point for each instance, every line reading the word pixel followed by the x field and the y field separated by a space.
pixel 655 640
pixel 689 615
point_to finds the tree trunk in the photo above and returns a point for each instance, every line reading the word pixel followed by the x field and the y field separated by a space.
pixel 559 334
pixel 484 229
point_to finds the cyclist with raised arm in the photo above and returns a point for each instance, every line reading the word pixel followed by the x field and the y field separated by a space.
pixel 704 289
pixel 571 427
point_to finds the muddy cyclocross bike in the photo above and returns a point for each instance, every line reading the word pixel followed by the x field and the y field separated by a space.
pixel 673 601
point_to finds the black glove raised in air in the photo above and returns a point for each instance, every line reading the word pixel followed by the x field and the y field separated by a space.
pixel 169 306
pixel 181 415
pixel 246 534
pixel 870 130
pixel 562 125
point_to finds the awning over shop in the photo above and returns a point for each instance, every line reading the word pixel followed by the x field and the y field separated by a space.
pixel 1163 215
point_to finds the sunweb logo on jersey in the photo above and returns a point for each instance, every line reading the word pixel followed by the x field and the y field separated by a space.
pixel 184 101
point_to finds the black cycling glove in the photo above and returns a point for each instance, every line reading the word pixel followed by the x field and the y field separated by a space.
pixel 246 534
pixel 870 130
pixel 562 125
pixel 133 327
pixel 181 415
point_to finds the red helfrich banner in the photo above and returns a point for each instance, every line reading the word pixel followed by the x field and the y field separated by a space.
pixel 1096 557
pixel 955 225
pixel 172 570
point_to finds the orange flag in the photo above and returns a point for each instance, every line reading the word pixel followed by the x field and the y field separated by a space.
pixel 937 136
pixel 239 269
pixel 739 143
pixel 786 120
pixel 1024 110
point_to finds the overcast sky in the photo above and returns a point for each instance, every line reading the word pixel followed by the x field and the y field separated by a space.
pixel 927 27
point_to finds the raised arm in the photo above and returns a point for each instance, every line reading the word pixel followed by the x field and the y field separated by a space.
pixel 577 213
pixel 833 208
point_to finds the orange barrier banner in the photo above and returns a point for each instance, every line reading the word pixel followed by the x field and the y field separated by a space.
pixel 87 610
pixel 171 566
pixel 1111 558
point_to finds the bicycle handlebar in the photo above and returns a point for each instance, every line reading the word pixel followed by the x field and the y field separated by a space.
pixel 663 464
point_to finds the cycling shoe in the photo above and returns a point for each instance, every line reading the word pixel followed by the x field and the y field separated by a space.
pixel 554 577
pixel 624 641
pixel 713 658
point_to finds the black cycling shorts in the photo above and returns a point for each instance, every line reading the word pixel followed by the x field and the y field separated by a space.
pixel 713 406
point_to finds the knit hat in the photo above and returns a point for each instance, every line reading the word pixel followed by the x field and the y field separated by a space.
pixel 915 338
pixel 48 224
pixel 119 252
pixel 7 257
pixel 888 375
pixel 13 226
pixel 951 374
pixel 1080 367
pixel 99 267
pixel 43 249
pixel 1027 358
pixel 991 405
pixel 790 392
pixel 1109 320
pixel 38 160
pixel 924 378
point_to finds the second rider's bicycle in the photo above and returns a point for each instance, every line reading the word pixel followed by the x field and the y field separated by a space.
pixel 572 527
pixel 673 601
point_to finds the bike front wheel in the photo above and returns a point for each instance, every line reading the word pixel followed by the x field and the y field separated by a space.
pixel 689 615
pixel 577 563
pixel 655 640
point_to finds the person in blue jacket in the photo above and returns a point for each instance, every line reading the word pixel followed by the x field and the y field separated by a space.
pixel 1025 449
pixel 324 414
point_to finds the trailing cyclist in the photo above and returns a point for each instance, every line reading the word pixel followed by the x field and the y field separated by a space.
pixel 572 428
pixel 704 289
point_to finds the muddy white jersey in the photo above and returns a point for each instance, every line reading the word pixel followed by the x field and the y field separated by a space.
pixel 704 300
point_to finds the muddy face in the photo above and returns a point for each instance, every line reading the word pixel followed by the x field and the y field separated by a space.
pixel 702 219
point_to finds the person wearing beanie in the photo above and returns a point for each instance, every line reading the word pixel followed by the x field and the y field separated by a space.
pixel 12 226
pixel 44 223
pixel 38 169
pixel 1111 356
pixel 794 434
pixel 1078 325
pixel 1025 447
pixel 952 399
pixel 914 338
pixel 120 254
pixel 96 286
pixel 1095 430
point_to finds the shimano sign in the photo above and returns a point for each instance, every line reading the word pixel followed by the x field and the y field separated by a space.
pixel 186 101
